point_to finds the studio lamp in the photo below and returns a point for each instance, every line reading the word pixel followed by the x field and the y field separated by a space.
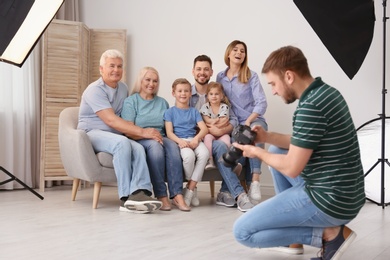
pixel 22 23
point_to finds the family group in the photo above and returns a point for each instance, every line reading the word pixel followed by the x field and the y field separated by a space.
pixel 317 170
pixel 154 145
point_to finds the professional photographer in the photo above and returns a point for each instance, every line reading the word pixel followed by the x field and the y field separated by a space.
pixel 323 149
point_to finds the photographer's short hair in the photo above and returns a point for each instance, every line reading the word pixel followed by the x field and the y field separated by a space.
pixel 287 58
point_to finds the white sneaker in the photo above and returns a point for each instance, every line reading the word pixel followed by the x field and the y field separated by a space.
pixel 210 164
pixel 188 195
pixel 254 192
pixel 195 201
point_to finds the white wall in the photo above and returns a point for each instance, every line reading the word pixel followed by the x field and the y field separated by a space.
pixel 169 34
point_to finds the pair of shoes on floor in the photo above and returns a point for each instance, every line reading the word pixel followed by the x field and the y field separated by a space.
pixel 140 203
pixel 254 192
pixel 294 249
pixel 210 164
pixel 191 197
pixel 243 203
pixel 226 199
pixel 333 250
pixel 181 206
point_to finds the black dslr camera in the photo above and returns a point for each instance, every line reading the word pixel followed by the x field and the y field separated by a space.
pixel 241 134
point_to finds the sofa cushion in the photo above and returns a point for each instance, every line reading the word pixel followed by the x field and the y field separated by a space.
pixel 105 159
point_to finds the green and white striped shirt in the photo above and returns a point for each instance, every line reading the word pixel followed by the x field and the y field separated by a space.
pixel 334 174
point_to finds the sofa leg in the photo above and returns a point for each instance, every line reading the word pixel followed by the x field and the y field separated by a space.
pixel 96 193
pixel 212 188
pixel 75 187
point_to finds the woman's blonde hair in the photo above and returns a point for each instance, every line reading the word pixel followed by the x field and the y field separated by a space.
pixel 244 74
pixel 141 76
pixel 216 85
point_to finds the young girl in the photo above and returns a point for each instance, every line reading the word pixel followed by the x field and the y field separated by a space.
pixel 248 102
pixel 181 122
pixel 212 111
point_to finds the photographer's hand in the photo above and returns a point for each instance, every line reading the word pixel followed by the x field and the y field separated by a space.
pixel 248 150
pixel 261 134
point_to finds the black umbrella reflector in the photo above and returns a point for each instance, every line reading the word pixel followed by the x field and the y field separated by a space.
pixel 345 27
pixel 13 13
pixel 22 22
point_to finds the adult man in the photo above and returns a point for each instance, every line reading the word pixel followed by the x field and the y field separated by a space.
pixel 99 116
pixel 323 149
pixel 231 193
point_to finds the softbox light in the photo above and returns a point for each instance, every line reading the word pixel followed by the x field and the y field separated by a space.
pixel 345 27
pixel 22 23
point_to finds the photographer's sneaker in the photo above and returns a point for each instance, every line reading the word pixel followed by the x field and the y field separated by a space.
pixel 254 192
pixel 335 248
pixel 225 199
pixel 243 203
pixel 141 203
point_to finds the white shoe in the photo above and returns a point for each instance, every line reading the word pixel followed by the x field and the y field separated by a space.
pixel 254 192
pixel 188 195
pixel 210 164
pixel 195 201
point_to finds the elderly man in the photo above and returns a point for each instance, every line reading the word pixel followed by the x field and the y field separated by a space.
pixel 99 117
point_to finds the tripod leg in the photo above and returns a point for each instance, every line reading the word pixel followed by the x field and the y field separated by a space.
pixel 20 182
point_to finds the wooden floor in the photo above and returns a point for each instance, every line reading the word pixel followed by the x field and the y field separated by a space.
pixel 58 228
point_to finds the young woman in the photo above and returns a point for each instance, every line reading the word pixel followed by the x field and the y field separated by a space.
pixel 248 102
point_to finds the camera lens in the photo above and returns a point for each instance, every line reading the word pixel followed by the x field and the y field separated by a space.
pixel 241 134
pixel 231 157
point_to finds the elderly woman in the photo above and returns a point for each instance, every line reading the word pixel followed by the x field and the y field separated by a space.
pixel 145 109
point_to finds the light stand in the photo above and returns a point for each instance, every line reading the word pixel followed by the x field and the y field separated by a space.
pixel 13 178
pixel 382 117
pixel 22 23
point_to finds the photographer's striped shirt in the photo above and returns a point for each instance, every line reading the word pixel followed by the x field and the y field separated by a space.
pixel 334 175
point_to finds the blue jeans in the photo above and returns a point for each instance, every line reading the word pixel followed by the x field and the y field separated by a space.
pixel 161 159
pixel 230 182
pixel 287 218
pixel 129 161
pixel 282 182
